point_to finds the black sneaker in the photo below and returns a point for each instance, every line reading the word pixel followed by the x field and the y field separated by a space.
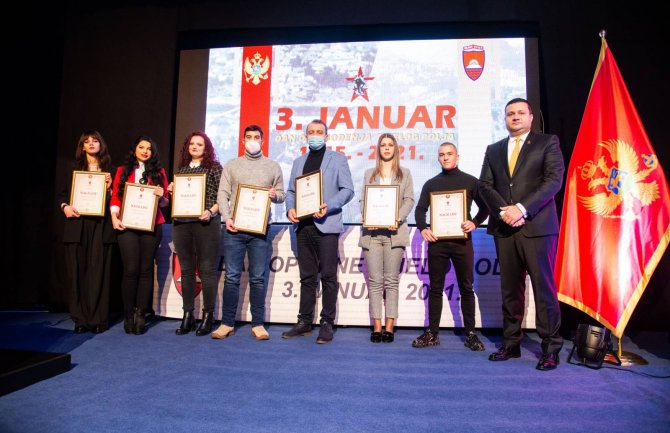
pixel 426 339
pixel 473 342
pixel 325 333
pixel 299 329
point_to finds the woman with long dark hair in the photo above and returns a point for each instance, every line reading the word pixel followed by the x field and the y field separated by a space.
pixel 199 237
pixel 137 247
pixel 88 243
pixel 383 249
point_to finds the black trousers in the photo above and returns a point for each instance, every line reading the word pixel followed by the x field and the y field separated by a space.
pixel 197 243
pixel 460 253
pixel 89 267
pixel 517 255
pixel 138 250
pixel 317 254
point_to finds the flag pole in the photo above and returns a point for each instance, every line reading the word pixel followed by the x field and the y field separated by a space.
pixel 621 358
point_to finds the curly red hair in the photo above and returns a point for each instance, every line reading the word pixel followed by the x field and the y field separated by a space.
pixel 209 158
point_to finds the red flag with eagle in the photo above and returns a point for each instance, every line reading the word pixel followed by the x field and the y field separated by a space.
pixel 616 211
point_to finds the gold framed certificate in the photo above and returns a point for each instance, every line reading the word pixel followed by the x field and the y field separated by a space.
pixel 308 194
pixel 381 206
pixel 188 195
pixel 89 192
pixel 138 208
pixel 252 207
pixel 447 213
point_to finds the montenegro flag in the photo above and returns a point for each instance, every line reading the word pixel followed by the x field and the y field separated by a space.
pixel 615 225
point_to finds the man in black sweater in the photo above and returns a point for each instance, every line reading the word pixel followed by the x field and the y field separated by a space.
pixel 458 250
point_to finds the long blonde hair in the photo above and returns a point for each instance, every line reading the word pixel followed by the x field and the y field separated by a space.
pixel 395 162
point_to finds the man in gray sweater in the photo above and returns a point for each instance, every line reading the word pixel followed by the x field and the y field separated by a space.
pixel 254 169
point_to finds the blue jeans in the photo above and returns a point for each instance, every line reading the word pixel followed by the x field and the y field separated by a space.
pixel 235 247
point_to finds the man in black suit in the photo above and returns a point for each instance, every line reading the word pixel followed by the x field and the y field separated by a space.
pixel 520 176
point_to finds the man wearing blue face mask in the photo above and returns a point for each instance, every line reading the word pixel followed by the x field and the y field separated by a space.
pixel 252 168
pixel 317 236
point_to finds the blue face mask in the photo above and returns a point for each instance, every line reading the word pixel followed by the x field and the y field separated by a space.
pixel 316 142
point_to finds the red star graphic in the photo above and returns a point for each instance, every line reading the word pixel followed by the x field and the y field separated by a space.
pixel 360 85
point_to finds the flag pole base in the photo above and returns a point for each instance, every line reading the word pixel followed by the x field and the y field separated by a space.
pixel 626 359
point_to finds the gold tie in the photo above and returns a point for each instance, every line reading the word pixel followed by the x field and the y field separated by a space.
pixel 515 154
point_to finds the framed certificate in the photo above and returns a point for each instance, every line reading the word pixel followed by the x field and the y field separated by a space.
pixel 89 192
pixel 308 194
pixel 381 206
pixel 188 195
pixel 447 213
pixel 138 209
pixel 252 207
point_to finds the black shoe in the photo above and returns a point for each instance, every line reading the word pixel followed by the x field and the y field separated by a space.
pixel 473 342
pixel 504 353
pixel 206 324
pixel 99 329
pixel 376 337
pixel 80 329
pixel 301 328
pixel 387 337
pixel 140 324
pixel 128 322
pixel 187 324
pixel 325 333
pixel 427 339
pixel 548 361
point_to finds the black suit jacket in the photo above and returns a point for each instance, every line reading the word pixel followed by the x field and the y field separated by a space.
pixel 73 226
pixel 537 179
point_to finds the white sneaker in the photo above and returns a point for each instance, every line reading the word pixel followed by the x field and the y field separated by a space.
pixel 223 331
pixel 260 333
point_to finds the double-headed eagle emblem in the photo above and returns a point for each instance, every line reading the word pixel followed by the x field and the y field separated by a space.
pixel 623 182
pixel 256 68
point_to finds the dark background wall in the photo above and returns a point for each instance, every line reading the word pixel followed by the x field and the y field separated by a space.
pixel 111 66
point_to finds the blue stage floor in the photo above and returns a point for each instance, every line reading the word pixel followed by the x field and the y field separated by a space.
pixel 161 382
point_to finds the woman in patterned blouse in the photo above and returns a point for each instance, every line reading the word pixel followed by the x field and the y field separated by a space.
pixel 199 237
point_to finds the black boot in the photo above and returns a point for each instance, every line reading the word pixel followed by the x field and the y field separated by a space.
pixel 128 322
pixel 187 323
pixel 206 324
pixel 140 324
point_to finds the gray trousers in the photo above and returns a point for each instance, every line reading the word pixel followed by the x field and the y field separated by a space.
pixel 383 264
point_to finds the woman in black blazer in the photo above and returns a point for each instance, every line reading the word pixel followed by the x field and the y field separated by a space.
pixel 88 243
